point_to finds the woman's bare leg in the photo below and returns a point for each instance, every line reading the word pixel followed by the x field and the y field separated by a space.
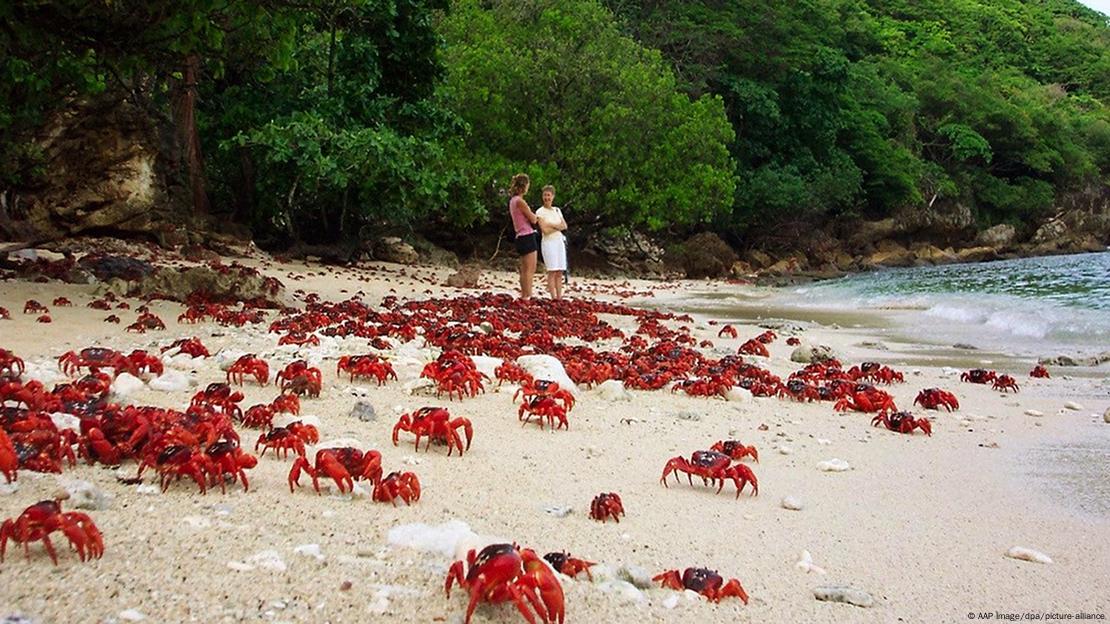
pixel 527 272
pixel 557 278
pixel 552 281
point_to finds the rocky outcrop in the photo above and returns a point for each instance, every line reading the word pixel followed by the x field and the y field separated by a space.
pixel 706 255
pixel 101 172
pixel 466 277
pixel 628 252
pixel 999 236
pixel 221 283
pixel 889 254
pixel 393 249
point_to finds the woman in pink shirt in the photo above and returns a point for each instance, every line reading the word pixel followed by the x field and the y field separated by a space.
pixel 527 242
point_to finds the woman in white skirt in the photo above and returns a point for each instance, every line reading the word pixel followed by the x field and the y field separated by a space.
pixel 553 246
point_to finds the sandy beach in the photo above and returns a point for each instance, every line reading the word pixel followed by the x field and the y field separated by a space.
pixel 921 524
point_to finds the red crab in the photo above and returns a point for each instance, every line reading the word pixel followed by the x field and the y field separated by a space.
pixel 112 318
pixel 95 358
pixel 367 366
pixel 300 339
pixel 436 423
pixel 62 302
pixel 403 485
pixel 565 564
pixel 249 364
pixel 933 398
pixel 299 378
pixel 1005 383
pixel 979 376
pixel 512 373
pixel 793 341
pixel 712 467
pixel 706 582
pixel 9 460
pixel 190 346
pixel 286 404
pixel 230 460
pixel 176 461
pixel 45 318
pixel 504 572
pixel 38 521
pixel 343 465
pixel 544 407
pixel 260 416
pixel 713 385
pixel 219 397
pixel 902 422
pixel 143 363
pixel 11 365
pixel 5 314
pixel 799 391
pixel 727 330
pixel 34 307
pixel 607 505
pixel 754 347
pixel 455 373
pixel 866 398
pixel 285 439
pixel 1039 372
pixel 533 388
pixel 767 337
pixel 146 321
pixel 735 450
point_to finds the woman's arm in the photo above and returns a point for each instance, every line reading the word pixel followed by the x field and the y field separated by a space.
pixel 562 222
pixel 527 212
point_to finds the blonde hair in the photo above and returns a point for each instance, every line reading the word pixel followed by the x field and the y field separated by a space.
pixel 549 188
pixel 519 184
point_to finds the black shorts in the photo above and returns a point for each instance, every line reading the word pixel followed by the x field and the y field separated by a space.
pixel 527 243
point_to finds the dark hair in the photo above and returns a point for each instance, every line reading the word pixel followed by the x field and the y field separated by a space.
pixel 519 183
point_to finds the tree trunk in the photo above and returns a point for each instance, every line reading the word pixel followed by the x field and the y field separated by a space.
pixel 184 113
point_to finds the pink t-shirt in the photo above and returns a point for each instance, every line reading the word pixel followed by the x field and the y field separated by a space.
pixel 520 222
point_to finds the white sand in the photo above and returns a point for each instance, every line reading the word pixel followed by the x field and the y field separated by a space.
pixel 921 524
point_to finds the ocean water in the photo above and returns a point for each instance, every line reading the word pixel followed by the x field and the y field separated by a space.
pixel 1028 305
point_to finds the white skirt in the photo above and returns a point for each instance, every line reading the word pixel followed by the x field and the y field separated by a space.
pixel 554 251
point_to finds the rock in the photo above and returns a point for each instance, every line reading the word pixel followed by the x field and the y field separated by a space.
pixel 442 538
pixel 486 365
pixel 85 495
pixel 706 255
pixel 1066 360
pixel 224 285
pixel 792 503
pixel 267 560
pixel 805 563
pixel 1049 232
pixel 758 259
pixel 785 450
pixel 634 574
pixel 736 394
pixel 687 416
pixel 559 511
pixel 1072 405
pixel 1106 415
pixel 65 421
pixel 126 385
pixel 670 602
pixel 868 232
pixel 740 269
pixel 963 346
pixel 847 595
pixel 171 381
pixel 833 465
pixel 627 251
pixel 431 253
pixel 930 254
pixel 807 354
pixel 999 236
pixel 309 550
pixel 147 489
pixel 877 346
pixel 364 411
pixel 466 277
pixel 889 254
pixel 786 266
pixel 626 592
pixel 420 385
pixel 1034 413
pixel 1028 554
pixel 393 249
pixel 547 367
pixel 612 390
pixel 977 254
pixel 132 615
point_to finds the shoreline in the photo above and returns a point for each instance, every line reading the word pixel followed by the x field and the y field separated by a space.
pixel 896 525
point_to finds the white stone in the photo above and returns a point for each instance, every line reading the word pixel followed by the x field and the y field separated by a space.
pixel 1106 415
pixel 486 365
pixel 847 595
pixel 624 591
pixel 559 511
pixel 824 442
pixel 805 563
pixel 670 602
pixel 309 550
pixel 127 384
pixel 833 465
pixel 85 495
pixel 267 560
pixel 147 489
pixel 612 390
pixel 441 538
pixel 1072 405
pixel 736 394
pixel 226 357
pixel 547 367
pixel 1028 554
pixel 636 575
pixel 132 615
pixel 791 502
pixel 171 381
pixel 419 385
pixel 66 421
pixel 785 450
pixel 1034 413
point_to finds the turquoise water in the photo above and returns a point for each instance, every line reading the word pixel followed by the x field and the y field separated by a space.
pixel 1031 302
